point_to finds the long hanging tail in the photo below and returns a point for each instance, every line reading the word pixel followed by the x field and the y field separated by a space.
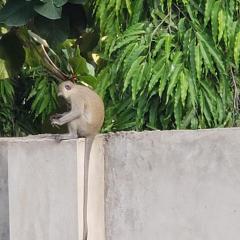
pixel 88 147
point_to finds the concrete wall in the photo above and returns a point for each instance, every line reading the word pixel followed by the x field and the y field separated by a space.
pixel 174 185
pixel 4 214
pixel 170 185
pixel 45 182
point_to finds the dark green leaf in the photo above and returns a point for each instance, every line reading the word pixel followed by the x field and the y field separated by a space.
pixel 49 10
pixel 16 13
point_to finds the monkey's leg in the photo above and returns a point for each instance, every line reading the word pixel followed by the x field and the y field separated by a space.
pixel 71 135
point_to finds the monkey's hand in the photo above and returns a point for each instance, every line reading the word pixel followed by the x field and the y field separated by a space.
pixel 55 122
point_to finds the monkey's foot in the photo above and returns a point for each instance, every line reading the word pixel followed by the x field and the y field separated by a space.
pixel 67 136
pixel 58 138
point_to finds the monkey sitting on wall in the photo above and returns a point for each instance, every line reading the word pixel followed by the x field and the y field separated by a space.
pixel 85 119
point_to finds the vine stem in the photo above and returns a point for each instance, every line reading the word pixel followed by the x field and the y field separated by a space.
pixel 236 91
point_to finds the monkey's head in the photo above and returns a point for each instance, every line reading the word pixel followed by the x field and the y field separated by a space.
pixel 65 89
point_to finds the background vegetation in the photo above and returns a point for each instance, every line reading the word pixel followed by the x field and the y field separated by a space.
pixel 161 64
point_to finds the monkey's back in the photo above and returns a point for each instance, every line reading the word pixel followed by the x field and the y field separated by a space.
pixel 92 118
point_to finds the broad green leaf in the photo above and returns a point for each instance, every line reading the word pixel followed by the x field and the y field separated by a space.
pixel 191 88
pixel 164 80
pixel 6 91
pixel 182 27
pixel 124 54
pixel 177 59
pixel 44 104
pixel 137 80
pixel 186 41
pixel 214 20
pixel 158 47
pixel 194 123
pixel 155 78
pixel 212 108
pixel 215 53
pixel 49 10
pixel 178 107
pixel 129 7
pixel 198 61
pixel 123 42
pixel 133 55
pixel 207 113
pixel 77 1
pixel 3 70
pixel 231 32
pixel 220 110
pixel 79 65
pixel 192 58
pixel 208 11
pixel 207 58
pixel 16 13
pixel 168 45
pixel 136 9
pixel 209 90
pixel 117 6
pixel 133 71
pixel 237 50
pixel 104 81
pixel 173 80
pixel 153 114
pixel 59 3
pixel 91 69
pixel 90 80
pixel 184 87
pixel 54 32
pixel 221 23
pixel 187 118
pixel 39 98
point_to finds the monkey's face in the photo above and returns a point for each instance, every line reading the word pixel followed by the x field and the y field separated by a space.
pixel 65 89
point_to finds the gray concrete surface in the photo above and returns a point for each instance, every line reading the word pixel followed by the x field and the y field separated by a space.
pixel 173 185
pixel 170 185
pixel 4 214
pixel 46 190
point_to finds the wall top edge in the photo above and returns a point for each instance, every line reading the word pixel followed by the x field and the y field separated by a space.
pixel 50 137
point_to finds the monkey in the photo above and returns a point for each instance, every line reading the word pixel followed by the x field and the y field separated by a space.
pixel 85 119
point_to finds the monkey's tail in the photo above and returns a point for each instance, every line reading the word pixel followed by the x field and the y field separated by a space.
pixel 88 147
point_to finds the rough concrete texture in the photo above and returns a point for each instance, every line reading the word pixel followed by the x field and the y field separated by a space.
pixel 4 214
pixel 46 190
pixel 170 185
pixel 173 185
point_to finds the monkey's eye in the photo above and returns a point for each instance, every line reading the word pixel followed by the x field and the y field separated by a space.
pixel 68 87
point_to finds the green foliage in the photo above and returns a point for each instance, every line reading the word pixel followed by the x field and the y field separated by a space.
pixel 43 94
pixel 18 13
pixel 11 105
pixel 163 64
pixel 28 93
pixel 11 50
pixel 171 64
pixel 54 20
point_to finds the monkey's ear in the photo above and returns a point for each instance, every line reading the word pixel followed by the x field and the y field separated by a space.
pixel 68 87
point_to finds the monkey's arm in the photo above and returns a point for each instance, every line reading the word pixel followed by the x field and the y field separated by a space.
pixel 67 117
pixel 56 116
